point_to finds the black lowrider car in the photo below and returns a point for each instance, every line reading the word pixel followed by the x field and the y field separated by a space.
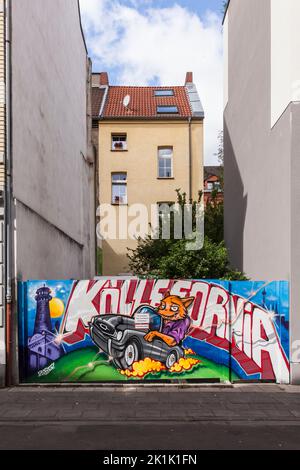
pixel 122 338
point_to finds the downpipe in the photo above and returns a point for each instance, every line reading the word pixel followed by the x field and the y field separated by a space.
pixel 190 160
pixel 8 200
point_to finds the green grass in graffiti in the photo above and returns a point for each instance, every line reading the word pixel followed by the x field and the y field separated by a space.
pixel 87 366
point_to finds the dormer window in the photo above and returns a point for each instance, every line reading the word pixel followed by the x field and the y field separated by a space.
pixel 167 110
pixel 164 93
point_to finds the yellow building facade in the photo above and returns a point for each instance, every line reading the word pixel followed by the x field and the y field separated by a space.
pixel 143 159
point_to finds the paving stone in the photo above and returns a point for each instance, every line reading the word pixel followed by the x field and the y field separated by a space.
pixel 278 413
pixel 16 414
pixel 169 403
pixel 68 414
pixel 40 414
pixel 195 413
pixel 95 414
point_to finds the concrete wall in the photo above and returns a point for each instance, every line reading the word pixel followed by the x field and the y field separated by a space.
pixel 141 164
pixel 262 145
pixel 285 66
pixel 257 158
pixel 295 242
pixel 52 176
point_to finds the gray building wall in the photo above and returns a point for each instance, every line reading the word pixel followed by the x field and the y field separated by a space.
pixel 262 167
pixel 294 114
pixel 53 174
pixel 53 168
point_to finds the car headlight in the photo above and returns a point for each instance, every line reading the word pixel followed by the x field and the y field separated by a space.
pixel 119 335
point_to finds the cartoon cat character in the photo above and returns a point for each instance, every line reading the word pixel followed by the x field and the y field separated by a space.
pixel 176 322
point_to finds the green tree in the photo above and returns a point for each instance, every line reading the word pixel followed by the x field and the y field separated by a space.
pixel 161 258
pixel 214 219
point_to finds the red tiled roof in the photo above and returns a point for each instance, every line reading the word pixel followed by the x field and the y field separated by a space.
pixel 210 171
pixel 143 102
pixel 97 97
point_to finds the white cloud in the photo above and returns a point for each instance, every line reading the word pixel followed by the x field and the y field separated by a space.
pixel 160 44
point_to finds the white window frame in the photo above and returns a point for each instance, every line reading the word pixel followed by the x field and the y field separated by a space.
pixel 120 142
pixel 165 158
pixel 119 182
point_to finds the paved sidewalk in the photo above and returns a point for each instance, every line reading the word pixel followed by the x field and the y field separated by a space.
pixel 168 417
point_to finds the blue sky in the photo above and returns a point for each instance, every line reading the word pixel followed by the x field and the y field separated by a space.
pixel 155 42
pixel 196 6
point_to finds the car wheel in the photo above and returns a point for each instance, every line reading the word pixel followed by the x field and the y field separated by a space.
pixel 131 355
pixel 172 358
pixel 117 364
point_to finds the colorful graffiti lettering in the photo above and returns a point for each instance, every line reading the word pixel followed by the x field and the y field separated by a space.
pixel 109 330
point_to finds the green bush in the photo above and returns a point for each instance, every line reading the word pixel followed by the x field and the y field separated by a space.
pixel 169 259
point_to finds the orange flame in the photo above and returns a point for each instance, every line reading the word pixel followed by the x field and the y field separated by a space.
pixel 142 368
pixel 184 364
pixel 189 352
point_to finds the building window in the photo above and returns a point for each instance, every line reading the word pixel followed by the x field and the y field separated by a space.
pixel 164 93
pixel 119 188
pixel 165 162
pixel 213 186
pixel 167 110
pixel 119 142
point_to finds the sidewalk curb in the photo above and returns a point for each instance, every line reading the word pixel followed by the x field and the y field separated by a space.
pixel 151 387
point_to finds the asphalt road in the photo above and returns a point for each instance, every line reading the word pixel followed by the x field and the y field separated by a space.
pixel 152 418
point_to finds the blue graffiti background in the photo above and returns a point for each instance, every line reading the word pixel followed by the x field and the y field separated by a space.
pixel 271 296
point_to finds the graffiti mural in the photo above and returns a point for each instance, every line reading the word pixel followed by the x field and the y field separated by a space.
pixel 118 330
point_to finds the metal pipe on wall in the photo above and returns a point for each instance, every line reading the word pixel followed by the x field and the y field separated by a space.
pixel 8 197
pixel 190 160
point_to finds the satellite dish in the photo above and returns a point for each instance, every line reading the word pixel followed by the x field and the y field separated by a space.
pixel 126 101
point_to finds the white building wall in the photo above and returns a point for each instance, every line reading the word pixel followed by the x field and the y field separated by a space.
pixel 225 55
pixel 262 147
pixel 285 64
pixel 52 169
pixel 52 178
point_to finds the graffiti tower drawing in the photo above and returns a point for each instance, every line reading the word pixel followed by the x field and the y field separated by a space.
pixel 42 320
pixel 43 347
